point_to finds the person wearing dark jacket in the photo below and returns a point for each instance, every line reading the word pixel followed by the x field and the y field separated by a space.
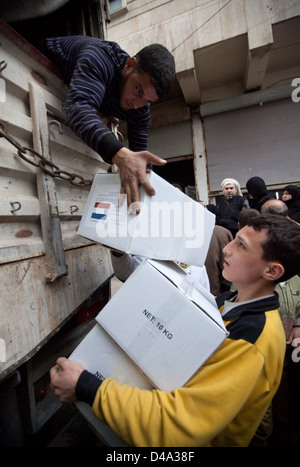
pixel 104 79
pixel 228 209
pixel 291 197
pixel 258 193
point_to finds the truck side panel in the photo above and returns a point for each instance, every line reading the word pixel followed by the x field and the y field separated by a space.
pixel 46 270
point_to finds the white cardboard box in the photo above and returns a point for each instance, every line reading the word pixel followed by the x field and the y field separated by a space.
pixel 156 331
pixel 165 323
pixel 170 225
pixel 100 355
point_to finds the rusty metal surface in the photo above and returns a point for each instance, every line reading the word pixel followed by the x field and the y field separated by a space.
pixel 46 269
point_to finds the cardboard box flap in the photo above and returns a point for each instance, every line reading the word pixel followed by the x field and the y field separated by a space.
pixel 193 290
pixel 180 278
pixel 171 270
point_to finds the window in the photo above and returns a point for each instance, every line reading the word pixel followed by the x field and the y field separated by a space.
pixel 117 5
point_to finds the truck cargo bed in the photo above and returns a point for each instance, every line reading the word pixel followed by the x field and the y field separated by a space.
pixel 46 269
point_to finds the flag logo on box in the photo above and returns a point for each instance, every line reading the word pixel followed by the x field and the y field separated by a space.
pixel 100 211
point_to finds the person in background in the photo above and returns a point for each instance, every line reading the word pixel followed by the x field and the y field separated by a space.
pixel 291 197
pixel 280 426
pixel 257 193
pixel 275 206
pixel 231 205
pixel 224 402
pixel 245 215
pixel 215 256
pixel 286 404
pixel 215 260
pixel 104 79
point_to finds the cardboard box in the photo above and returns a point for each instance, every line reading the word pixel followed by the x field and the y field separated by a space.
pixel 156 331
pixel 165 323
pixel 100 355
pixel 170 225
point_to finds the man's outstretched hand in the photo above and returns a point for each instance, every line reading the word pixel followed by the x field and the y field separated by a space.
pixel 132 167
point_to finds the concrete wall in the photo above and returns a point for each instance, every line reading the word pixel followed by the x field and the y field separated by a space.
pixel 185 26
pixel 224 50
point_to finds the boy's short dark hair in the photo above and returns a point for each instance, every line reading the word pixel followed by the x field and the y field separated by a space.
pixel 246 214
pixel 282 243
pixel 158 62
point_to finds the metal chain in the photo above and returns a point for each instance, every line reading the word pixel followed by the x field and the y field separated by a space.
pixel 36 159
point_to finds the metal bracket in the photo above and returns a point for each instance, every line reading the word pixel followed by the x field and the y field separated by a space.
pixel 50 222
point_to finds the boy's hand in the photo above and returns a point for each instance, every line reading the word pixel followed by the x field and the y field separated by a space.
pixel 64 376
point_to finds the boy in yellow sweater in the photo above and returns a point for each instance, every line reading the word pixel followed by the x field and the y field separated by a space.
pixel 223 404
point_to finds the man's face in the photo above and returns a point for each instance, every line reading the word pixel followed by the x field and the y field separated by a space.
pixel 229 191
pixel 243 262
pixel 136 89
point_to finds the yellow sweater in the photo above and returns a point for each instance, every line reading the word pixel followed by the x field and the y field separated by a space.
pixel 222 405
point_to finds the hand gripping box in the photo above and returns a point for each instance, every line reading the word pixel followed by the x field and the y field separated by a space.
pixel 100 355
pixel 170 225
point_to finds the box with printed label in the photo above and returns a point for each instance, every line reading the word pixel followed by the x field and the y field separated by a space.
pixel 166 324
pixel 170 225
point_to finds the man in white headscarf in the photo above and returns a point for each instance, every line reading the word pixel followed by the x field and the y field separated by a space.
pixel 231 187
pixel 231 205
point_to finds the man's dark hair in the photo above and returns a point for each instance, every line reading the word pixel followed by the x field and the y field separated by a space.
pixel 159 64
pixel 247 214
pixel 282 243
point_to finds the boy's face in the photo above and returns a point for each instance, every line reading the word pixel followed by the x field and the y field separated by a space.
pixel 243 257
pixel 136 89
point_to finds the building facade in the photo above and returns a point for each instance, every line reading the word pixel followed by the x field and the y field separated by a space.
pixel 234 110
